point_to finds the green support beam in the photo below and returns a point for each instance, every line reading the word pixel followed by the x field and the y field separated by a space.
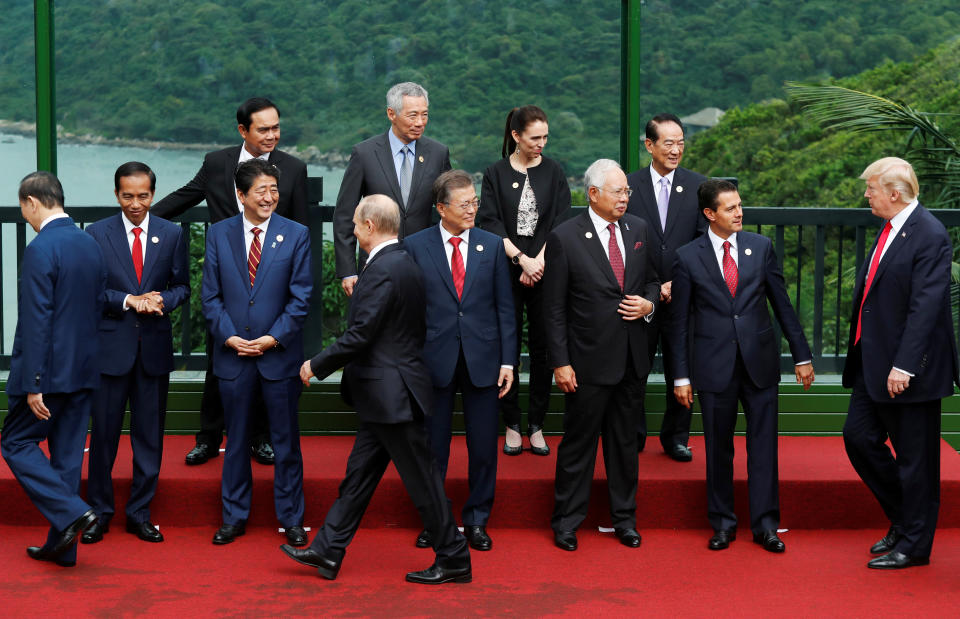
pixel 630 84
pixel 45 86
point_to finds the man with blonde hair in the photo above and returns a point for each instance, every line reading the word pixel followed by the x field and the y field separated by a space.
pixel 901 361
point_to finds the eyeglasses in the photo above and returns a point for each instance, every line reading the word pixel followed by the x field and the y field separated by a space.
pixel 472 204
pixel 623 191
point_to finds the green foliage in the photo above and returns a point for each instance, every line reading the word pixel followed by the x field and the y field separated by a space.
pixel 198 328
pixel 335 303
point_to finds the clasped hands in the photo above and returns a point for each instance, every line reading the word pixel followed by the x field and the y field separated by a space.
pixel 532 270
pixel 634 306
pixel 251 348
pixel 146 303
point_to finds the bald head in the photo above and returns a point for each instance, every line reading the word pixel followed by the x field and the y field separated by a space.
pixel 377 219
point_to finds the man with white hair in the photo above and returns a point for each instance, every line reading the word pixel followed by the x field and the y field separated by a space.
pixel 600 290
pixel 901 361
pixel 401 164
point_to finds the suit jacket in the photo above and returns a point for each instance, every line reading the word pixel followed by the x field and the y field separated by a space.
pixel 276 304
pixel 717 325
pixel 483 322
pixel 165 269
pixel 385 378
pixel 581 297
pixel 907 322
pixel 215 183
pixel 62 278
pixel 371 171
pixel 500 201
pixel 685 222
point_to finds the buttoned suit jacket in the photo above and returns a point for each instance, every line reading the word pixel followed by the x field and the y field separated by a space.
pixel 123 334
pixel 371 170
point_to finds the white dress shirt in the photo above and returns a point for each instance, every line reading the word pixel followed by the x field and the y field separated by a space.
pixel 376 250
pixel 655 177
pixel 128 226
pixel 246 155
pixel 248 234
pixel 60 215
pixel 395 147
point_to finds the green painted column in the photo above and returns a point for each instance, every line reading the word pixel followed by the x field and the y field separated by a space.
pixel 45 86
pixel 630 84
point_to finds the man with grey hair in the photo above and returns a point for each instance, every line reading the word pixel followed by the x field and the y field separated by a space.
pixel 600 291
pixel 901 361
pixel 400 163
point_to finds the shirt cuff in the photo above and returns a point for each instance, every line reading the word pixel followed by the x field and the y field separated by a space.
pixel 506 367
pixel 347 277
pixel 649 317
pixel 124 304
pixel 807 362
pixel 681 382
pixel 904 372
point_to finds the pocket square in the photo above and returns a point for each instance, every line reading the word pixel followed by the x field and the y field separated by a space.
pixel 637 245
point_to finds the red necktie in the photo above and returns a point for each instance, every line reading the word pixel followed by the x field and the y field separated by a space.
pixel 456 266
pixel 253 260
pixel 730 274
pixel 870 274
pixel 137 254
pixel 616 258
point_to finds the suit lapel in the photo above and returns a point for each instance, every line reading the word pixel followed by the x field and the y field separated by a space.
pixel 631 258
pixel 594 248
pixel 676 196
pixel 474 263
pixel 238 246
pixel 271 244
pixel 385 157
pixel 229 171
pixel 746 262
pixel 709 260
pixel 438 253
pixel 118 241
pixel 648 201
pixel 151 250
pixel 898 241
pixel 420 160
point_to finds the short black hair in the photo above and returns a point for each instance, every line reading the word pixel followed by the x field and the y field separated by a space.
pixel 43 186
pixel 250 107
pixel 447 182
pixel 710 190
pixel 249 170
pixel 653 125
pixel 133 168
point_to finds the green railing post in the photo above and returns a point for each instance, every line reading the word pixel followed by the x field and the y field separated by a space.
pixel 45 86
pixel 630 84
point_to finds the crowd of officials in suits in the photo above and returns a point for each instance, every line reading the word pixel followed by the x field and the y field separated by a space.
pixel 658 261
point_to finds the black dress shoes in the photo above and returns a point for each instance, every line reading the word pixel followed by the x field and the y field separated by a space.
pixel 228 532
pixel 424 540
pixel 628 537
pixel 262 452
pixel 513 451
pixel 680 453
pixel 95 533
pixel 722 539
pixel 478 538
pixel 436 575
pixel 896 560
pixel 201 453
pixel 769 541
pixel 74 530
pixel 144 530
pixel 328 568
pixel 537 451
pixel 296 535
pixel 565 540
pixel 41 554
pixel 886 543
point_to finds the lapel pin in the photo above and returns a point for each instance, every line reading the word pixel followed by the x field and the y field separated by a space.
pixel 155 240
pixel 903 234
pixel 479 247
pixel 516 184
pixel 679 188
pixel 279 238
pixel 637 245
pixel 273 245
pixel 626 226
pixel 747 251
pixel 589 235
pixel 420 158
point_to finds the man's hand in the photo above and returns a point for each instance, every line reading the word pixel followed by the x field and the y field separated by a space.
pixel 146 303
pixel 684 395
pixel 804 375
pixel 244 348
pixel 306 373
pixel 634 306
pixel 264 343
pixel 347 283
pixel 897 382
pixel 566 378
pixel 665 289
pixel 40 410
pixel 504 381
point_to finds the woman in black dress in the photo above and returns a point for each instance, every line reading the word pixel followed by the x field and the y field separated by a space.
pixel 523 197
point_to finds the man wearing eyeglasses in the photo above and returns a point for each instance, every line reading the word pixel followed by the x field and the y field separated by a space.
pixel 600 291
pixel 665 196
pixel 471 342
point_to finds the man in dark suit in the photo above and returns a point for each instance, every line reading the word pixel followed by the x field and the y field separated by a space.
pixel 665 196
pixel 472 345
pixel 401 164
pixel 600 288
pixel 53 366
pixel 901 361
pixel 723 343
pixel 386 380
pixel 258 121
pixel 255 293
pixel 147 278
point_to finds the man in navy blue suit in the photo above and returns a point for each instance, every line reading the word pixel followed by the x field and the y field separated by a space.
pixel 901 361
pixel 255 293
pixel 471 339
pixel 721 284
pixel 147 278
pixel 53 367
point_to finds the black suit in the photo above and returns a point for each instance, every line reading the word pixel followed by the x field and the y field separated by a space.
pixel 372 171
pixel 387 381
pixel 215 184
pixel 685 222
pixel 906 324
pixel 609 357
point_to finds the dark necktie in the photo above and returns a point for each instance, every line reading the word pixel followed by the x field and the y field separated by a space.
pixel 456 266
pixel 253 260
pixel 871 273
pixel 616 258
pixel 730 274
pixel 406 174
pixel 137 254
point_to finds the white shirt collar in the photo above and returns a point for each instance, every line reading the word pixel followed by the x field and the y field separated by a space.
pixel 128 225
pixel 246 155
pixel 446 236
pixel 717 242
pixel 599 222
pixel 655 177
pixel 897 221
pixel 60 215
pixel 396 144
pixel 248 227
pixel 376 250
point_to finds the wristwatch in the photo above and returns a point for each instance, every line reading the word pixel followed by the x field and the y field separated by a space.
pixel 516 259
